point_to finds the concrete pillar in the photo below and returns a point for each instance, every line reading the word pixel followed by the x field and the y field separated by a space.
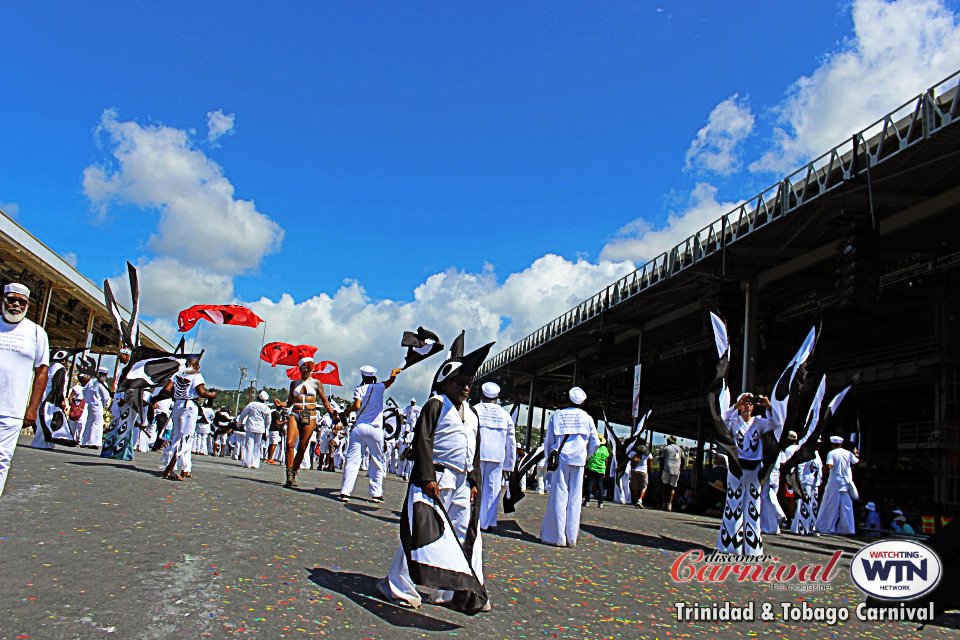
pixel 751 317
pixel 530 414
pixel 543 422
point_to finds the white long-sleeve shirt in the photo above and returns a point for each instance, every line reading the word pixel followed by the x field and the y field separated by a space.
pixel 582 431
pixel 498 439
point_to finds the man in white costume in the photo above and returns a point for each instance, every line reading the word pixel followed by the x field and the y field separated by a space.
pixel 498 452
pixel 255 420
pixel 97 398
pixel 367 433
pixel 772 516
pixel 810 474
pixel 24 360
pixel 440 544
pixel 572 433
pixel 836 511
pixel 187 388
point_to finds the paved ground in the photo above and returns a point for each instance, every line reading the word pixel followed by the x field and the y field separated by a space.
pixel 91 548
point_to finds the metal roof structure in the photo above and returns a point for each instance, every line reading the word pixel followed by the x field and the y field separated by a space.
pixel 770 262
pixel 66 303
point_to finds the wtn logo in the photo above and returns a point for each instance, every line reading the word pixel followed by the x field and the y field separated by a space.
pixel 903 570
pixel 896 569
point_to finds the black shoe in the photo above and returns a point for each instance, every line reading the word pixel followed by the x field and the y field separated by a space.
pixel 377 499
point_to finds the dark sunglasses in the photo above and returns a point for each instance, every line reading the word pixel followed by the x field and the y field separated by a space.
pixel 15 300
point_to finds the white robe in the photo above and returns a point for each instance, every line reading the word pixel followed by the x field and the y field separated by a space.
pixel 561 522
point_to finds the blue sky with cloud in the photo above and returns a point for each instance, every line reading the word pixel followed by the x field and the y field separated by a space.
pixel 351 171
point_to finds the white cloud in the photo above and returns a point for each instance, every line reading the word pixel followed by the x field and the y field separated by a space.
pixel 219 124
pixel 716 148
pixel 354 329
pixel 12 209
pixel 202 223
pixel 898 49
pixel 639 241
pixel 70 258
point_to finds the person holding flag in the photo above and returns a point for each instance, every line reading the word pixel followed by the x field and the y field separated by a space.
pixel 367 433
pixel 440 543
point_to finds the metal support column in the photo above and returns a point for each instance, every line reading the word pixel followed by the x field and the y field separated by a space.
pixel 45 309
pixel 543 422
pixel 698 457
pixel 530 414
pixel 751 317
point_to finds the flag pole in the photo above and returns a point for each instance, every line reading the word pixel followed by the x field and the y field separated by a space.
pixel 263 339
pixel 194 345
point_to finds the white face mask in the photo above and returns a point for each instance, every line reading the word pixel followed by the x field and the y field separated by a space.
pixel 13 317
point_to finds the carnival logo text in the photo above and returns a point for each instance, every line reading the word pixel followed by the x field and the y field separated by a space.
pixel 719 567
pixel 895 569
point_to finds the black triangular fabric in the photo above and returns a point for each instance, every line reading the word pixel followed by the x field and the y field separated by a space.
pixel 420 345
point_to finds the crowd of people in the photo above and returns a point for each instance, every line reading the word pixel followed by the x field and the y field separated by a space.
pixel 457 456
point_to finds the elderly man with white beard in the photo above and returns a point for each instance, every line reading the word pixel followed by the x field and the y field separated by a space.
pixel 498 451
pixel 24 361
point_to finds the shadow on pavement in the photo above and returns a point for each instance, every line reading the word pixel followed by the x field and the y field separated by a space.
pixel 510 529
pixel 654 542
pixel 375 513
pixel 127 467
pixel 360 588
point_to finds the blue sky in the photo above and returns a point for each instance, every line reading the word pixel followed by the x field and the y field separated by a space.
pixel 395 143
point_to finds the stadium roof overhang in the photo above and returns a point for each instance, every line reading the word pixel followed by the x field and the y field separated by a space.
pixel 68 305
pixel 781 243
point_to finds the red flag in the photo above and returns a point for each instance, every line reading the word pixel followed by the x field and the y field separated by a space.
pixel 287 355
pixel 217 314
pixel 326 371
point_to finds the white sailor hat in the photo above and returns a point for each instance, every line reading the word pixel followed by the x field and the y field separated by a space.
pixel 490 390
pixel 413 401
pixel 836 439
pixel 791 435
pixel 305 360
pixel 264 396
pixel 368 371
pixel 897 512
pixel 16 287
pixel 870 507
pixel 577 395
pixel 103 370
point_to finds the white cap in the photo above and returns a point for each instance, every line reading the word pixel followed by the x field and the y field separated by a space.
pixel 103 370
pixel 897 512
pixel 836 439
pixel 305 360
pixel 16 287
pixel 336 406
pixel 870 507
pixel 577 395
pixel 264 396
pixel 367 371
pixel 490 390
pixel 126 351
pixel 413 401
pixel 791 435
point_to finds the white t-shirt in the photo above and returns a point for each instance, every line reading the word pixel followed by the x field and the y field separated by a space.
pixel 371 403
pixel 23 347
pixel 841 474
pixel 185 385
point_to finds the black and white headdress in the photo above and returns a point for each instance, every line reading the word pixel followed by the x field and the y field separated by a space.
pixel 458 364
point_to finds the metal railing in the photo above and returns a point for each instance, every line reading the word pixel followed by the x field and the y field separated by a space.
pixel 912 122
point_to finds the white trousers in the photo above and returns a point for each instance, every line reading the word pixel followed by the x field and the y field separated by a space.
pixel 93 427
pixel 561 522
pixel 9 432
pixel 369 437
pixel 39 441
pixel 836 513
pixel 771 513
pixel 455 497
pixel 184 419
pixel 250 457
pixel 491 484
